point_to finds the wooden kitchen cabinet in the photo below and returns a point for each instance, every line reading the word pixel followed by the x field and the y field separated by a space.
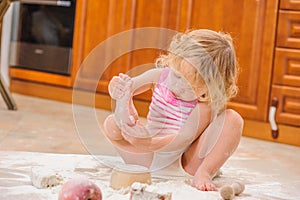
pixel 251 23
pixel 286 76
pixel 103 19
pixel 288 110
pixel 289 4
pixel 99 21
pixel 252 26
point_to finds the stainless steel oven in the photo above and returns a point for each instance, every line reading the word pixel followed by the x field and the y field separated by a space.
pixel 42 35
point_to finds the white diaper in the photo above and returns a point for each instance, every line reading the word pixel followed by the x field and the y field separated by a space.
pixel 173 171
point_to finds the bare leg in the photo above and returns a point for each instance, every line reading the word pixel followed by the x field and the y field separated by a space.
pixel 112 129
pixel 204 169
pixel 122 111
pixel 129 153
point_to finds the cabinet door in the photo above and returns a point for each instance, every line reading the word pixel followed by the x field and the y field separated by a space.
pixel 102 19
pixel 252 25
pixel 287 67
pixel 290 4
pixel 288 110
pixel 96 21
pixel 157 14
pixel 288 31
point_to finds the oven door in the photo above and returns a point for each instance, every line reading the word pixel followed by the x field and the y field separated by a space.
pixel 43 35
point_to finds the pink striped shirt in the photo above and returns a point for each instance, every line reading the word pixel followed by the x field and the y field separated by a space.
pixel 166 113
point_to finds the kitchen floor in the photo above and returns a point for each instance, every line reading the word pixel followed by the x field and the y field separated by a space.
pixel 41 125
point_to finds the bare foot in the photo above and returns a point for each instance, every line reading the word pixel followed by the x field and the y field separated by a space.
pixel 122 114
pixel 204 182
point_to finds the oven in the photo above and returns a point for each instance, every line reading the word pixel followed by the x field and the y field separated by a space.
pixel 42 35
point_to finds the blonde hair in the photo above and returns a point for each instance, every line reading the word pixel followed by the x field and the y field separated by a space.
pixel 213 56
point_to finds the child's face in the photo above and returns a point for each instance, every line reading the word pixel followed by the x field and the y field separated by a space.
pixel 179 82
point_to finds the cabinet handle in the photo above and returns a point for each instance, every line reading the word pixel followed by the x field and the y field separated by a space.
pixel 272 112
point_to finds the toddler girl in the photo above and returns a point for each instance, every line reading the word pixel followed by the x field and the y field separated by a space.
pixel 187 121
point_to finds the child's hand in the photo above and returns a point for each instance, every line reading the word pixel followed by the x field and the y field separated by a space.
pixel 137 131
pixel 118 85
pixel 136 135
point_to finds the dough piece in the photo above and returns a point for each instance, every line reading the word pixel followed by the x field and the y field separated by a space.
pixel 227 192
pixel 44 178
pixel 238 188
pixel 140 191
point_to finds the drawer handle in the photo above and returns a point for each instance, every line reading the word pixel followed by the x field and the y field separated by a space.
pixel 272 112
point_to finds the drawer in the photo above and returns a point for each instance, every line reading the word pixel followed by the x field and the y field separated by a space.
pixel 288 110
pixel 288 30
pixel 290 4
pixel 287 67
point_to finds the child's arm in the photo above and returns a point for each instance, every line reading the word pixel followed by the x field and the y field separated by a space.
pixel 188 133
pixel 146 80
pixel 141 83
pixel 146 143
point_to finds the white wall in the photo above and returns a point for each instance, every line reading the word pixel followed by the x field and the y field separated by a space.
pixel 5 45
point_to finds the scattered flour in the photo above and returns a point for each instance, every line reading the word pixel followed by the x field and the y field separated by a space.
pixel 18 169
pixel 42 177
